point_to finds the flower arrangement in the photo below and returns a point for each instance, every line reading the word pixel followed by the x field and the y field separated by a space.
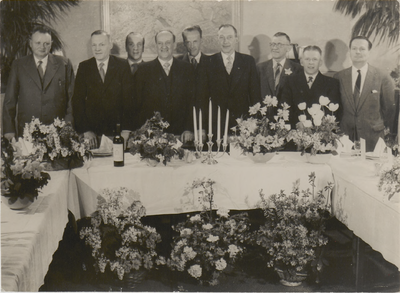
pixel 262 132
pixel 294 227
pixel 151 142
pixel 21 176
pixel 117 237
pixel 319 135
pixel 389 181
pixel 209 242
pixel 55 141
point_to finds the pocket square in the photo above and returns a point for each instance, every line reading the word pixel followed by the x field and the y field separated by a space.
pixel 374 91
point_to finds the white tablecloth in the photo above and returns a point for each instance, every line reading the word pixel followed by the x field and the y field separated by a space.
pixel 163 189
pixel 30 237
pixel 358 204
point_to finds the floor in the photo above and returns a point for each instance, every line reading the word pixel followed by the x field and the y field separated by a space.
pixel 66 272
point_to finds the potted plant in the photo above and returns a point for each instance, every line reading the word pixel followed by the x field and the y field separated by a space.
pixel 153 144
pixel 117 239
pixel 208 243
pixel 264 131
pixel 21 177
pixel 293 233
pixel 318 135
pixel 57 143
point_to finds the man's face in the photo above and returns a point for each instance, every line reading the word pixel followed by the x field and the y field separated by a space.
pixel 101 47
pixel 135 47
pixel 40 44
pixel 359 51
pixel 311 62
pixel 279 47
pixel 227 40
pixel 165 45
pixel 192 42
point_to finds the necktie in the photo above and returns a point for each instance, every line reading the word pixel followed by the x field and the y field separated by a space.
pixel 101 70
pixel 40 70
pixel 310 81
pixel 277 74
pixel 134 67
pixel 194 62
pixel 166 68
pixel 229 64
pixel 357 88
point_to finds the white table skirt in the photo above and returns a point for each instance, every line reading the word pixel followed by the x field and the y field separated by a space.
pixel 163 189
pixel 30 237
pixel 358 204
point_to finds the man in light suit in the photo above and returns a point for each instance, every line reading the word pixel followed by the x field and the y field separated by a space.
pixel 40 84
pixel 367 96
pixel 233 78
pixel 134 45
pixel 309 85
pixel 165 84
pixel 274 72
pixel 103 86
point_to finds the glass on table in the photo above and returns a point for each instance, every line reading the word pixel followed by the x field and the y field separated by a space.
pixel 357 148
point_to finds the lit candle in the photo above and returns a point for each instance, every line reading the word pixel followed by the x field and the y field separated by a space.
pixel 201 128
pixel 195 124
pixel 210 118
pixel 226 127
pixel 219 124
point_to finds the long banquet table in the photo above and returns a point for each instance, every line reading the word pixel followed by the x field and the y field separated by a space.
pixel 30 237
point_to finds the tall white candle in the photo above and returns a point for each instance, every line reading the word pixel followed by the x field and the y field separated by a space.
pixel 195 124
pixel 200 128
pixel 219 124
pixel 226 127
pixel 210 117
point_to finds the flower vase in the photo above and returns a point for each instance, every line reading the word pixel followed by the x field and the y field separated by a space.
pixel 290 277
pixel 318 158
pixel 18 204
pixel 261 158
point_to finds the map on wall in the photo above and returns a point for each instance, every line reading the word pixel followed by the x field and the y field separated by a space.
pixel 149 17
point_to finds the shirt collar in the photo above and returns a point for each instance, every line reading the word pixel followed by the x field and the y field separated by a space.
pixel 363 70
pixel 275 63
pixel 44 61
pixel 313 76
pixel 104 62
pixel 197 57
pixel 225 56
pixel 163 62
pixel 134 62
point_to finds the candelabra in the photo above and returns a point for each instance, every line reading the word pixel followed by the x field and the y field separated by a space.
pixel 210 158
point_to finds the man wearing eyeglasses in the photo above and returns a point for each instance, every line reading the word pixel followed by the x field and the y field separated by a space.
pixel 39 85
pixel 233 78
pixel 274 71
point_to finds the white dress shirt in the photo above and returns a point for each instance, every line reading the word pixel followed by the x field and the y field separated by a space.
pixel 105 66
pixel 313 76
pixel 225 57
pixel 44 62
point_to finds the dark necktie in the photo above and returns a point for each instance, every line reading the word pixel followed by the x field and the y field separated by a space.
pixel 194 62
pixel 310 81
pixel 40 70
pixel 134 67
pixel 357 88
pixel 277 74
pixel 101 70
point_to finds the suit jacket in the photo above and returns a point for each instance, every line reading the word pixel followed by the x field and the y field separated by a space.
pixel 172 96
pixel 202 92
pixel 98 106
pixel 296 91
pixel 237 91
pixel 46 102
pixel 375 109
pixel 267 80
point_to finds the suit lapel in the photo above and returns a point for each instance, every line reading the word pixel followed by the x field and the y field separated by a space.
pixel 158 76
pixel 347 84
pixel 52 67
pixel 174 72
pixel 367 88
pixel 31 69
pixel 270 76
pixel 111 72
pixel 220 68
pixel 302 87
pixel 237 71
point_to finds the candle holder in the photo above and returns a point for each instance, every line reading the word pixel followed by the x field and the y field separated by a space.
pixel 199 149
pixel 209 156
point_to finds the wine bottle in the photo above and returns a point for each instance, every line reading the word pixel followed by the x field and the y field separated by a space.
pixel 118 148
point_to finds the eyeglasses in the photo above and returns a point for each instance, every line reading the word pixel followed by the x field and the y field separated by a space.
pixel 278 45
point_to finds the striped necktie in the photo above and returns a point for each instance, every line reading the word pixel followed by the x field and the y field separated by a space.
pixel 357 88
pixel 40 70
pixel 101 70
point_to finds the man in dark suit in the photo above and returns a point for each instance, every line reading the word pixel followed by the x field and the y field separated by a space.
pixel 233 78
pixel 40 84
pixel 165 84
pixel 274 72
pixel 134 45
pixel 102 87
pixel 367 96
pixel 308 86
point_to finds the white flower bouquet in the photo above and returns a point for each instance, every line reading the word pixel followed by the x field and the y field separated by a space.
pixel 320 134
pixel 389 181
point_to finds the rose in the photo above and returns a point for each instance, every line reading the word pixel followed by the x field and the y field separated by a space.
pixel 220 264
pixel 195 271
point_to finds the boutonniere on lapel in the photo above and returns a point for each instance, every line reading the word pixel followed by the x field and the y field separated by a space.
pixel 288 71
pixel 374 91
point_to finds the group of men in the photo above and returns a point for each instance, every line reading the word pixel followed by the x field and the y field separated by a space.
pixel 108 90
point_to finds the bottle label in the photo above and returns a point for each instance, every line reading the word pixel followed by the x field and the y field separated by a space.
pixel 118 152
